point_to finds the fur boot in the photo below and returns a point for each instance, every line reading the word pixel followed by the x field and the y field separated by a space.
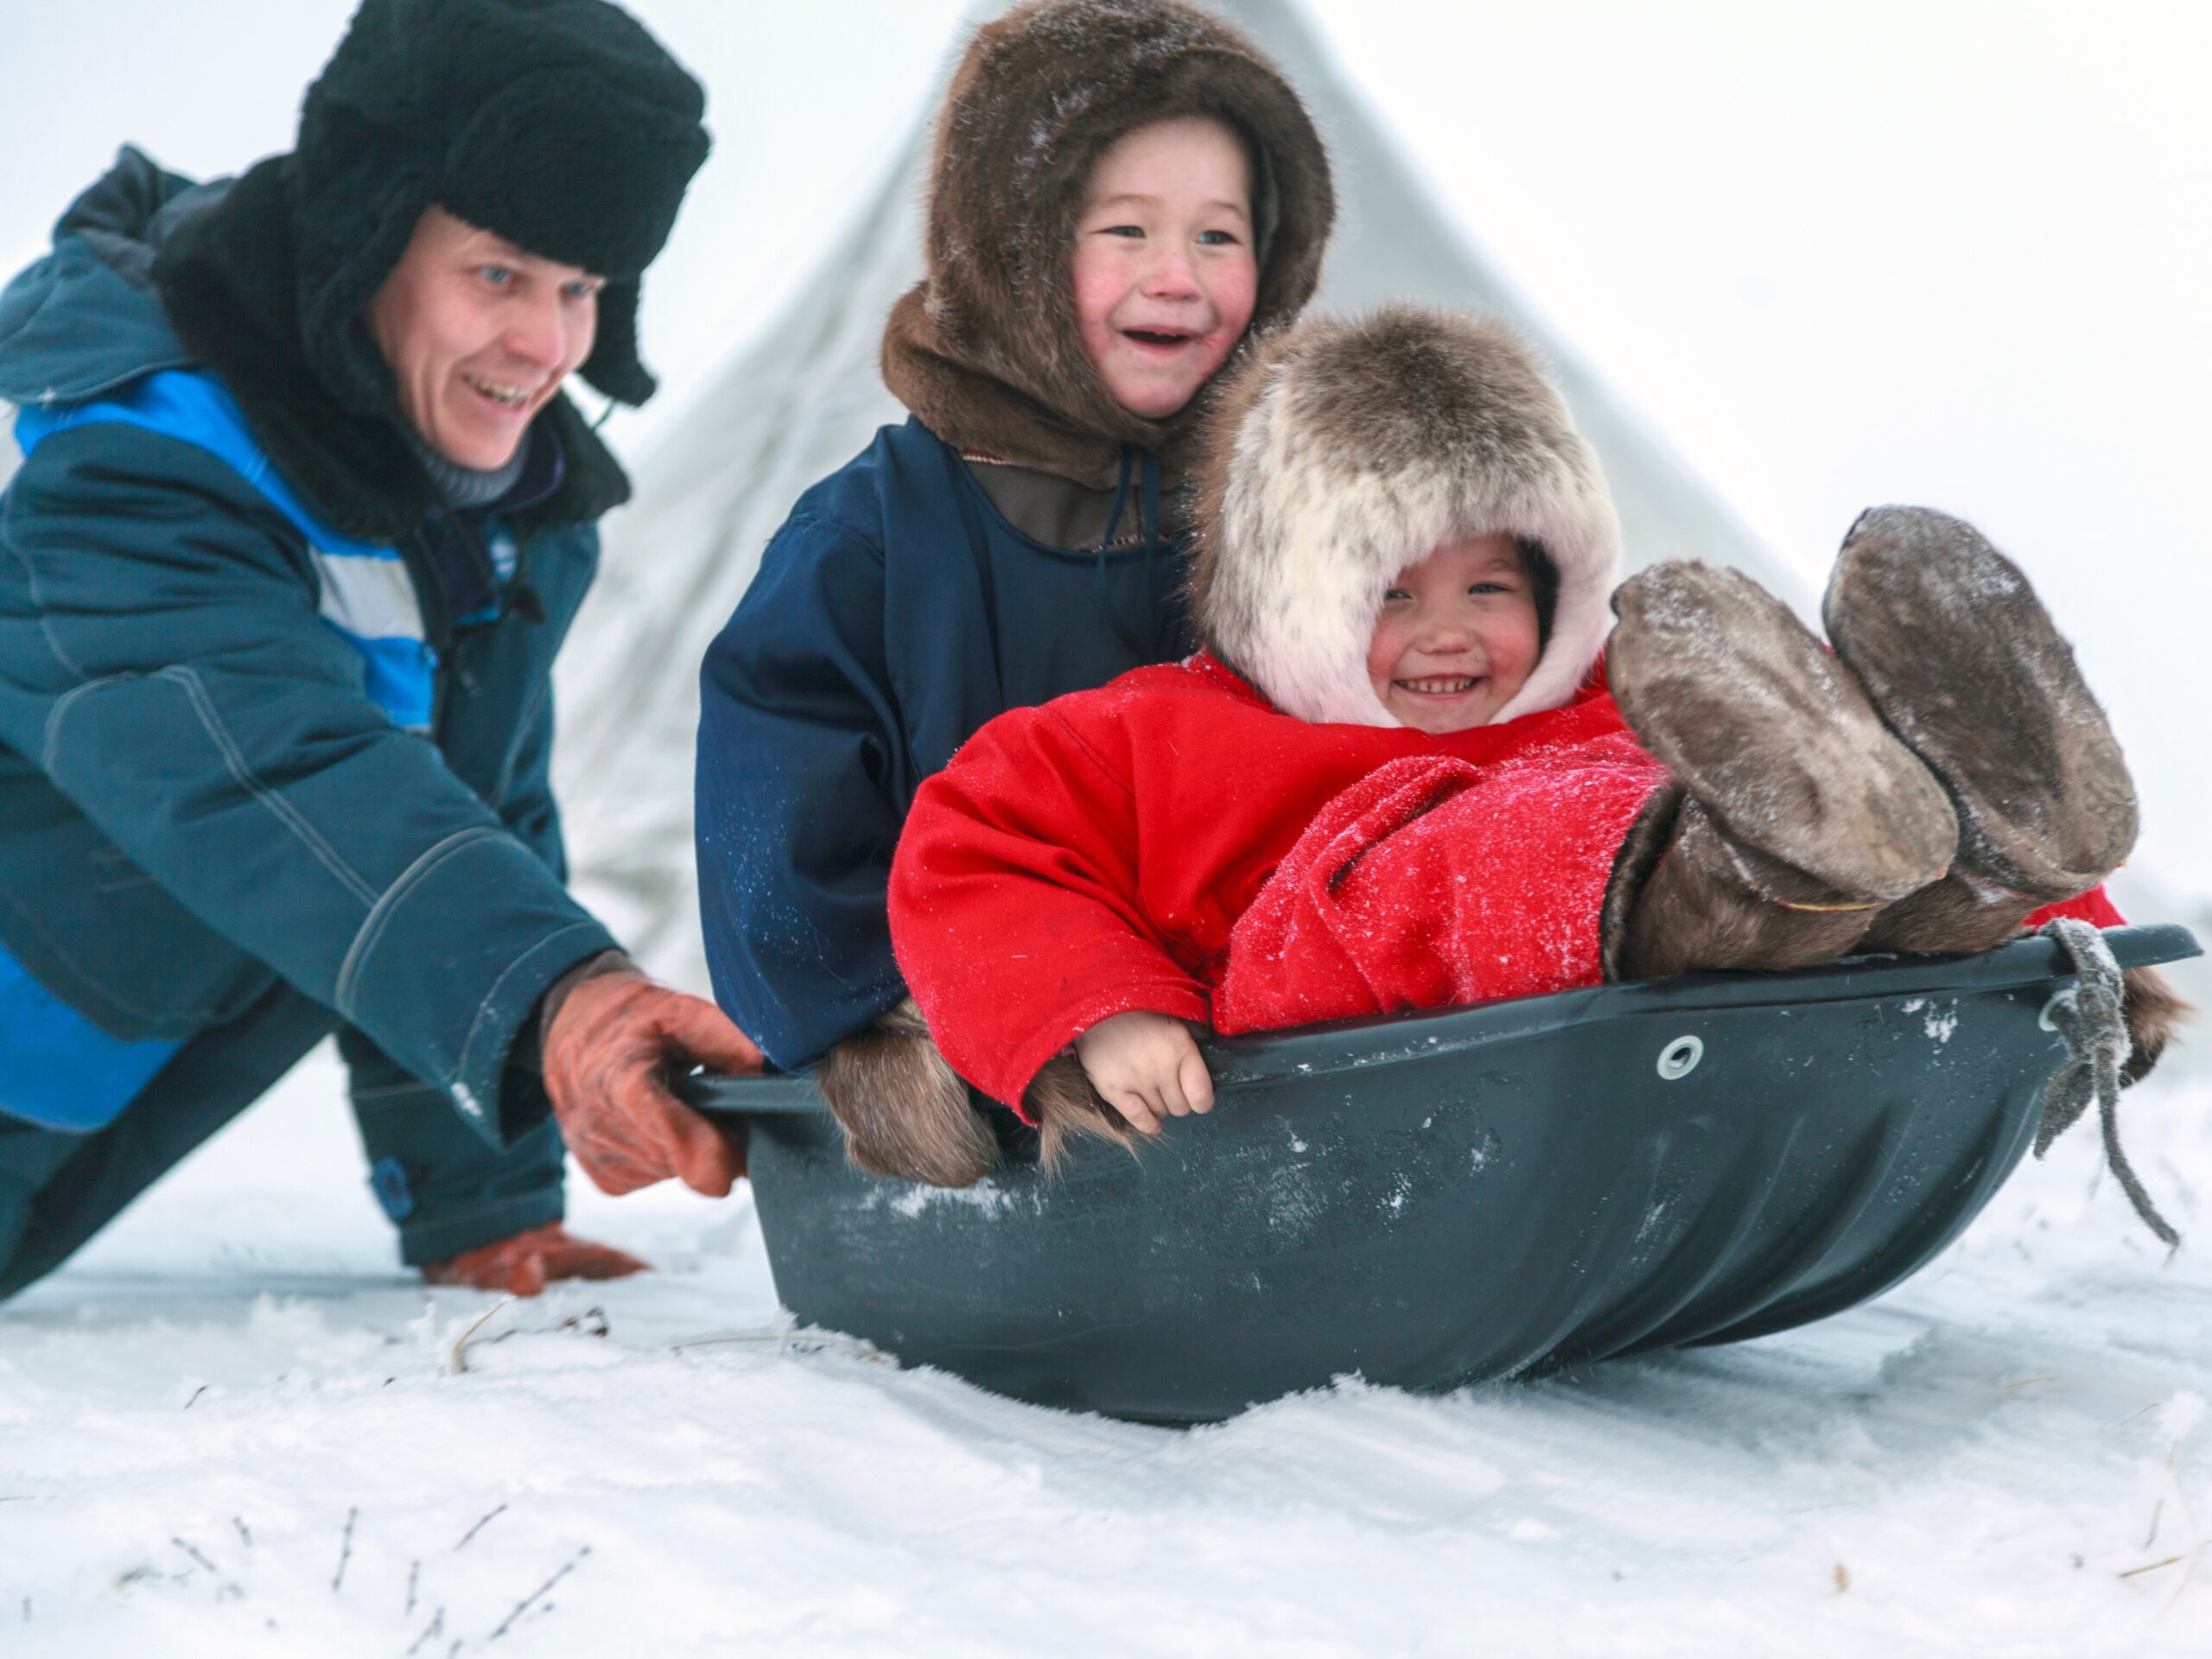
pixel 1963 663
pixel 1801 818
pixel 2155 1013
pixel 1712 902
pixel 905 1113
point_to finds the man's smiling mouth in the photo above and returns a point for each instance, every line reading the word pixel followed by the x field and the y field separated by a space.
pixel 505 396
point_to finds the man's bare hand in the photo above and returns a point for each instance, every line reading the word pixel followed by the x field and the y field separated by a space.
pixel 611 1048
pixel 1146 1067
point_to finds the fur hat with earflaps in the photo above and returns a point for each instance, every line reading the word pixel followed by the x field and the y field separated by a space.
pixel 1345 450
pixel 985 349
pixel 559 125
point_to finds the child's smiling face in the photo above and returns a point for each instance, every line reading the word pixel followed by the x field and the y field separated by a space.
pixel 1164 272
pixel 1456 636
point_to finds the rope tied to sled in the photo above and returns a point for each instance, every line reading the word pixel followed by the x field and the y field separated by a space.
pixel 2091 1016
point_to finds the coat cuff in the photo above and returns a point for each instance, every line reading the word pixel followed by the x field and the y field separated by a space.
pixel 451 964
pixel 2095 907
pixel 529 1051
pixel 426 1243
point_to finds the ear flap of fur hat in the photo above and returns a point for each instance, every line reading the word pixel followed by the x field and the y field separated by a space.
pixel 985 348
pixel 562 125
pixel 615 365
pixel 1347 450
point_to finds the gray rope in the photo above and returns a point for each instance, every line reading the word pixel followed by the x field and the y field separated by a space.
pixel 2091 1016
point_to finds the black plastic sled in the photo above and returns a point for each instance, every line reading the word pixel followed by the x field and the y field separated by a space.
pixel 1434 1199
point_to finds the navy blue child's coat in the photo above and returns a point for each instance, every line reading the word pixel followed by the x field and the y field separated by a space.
pixel 895 612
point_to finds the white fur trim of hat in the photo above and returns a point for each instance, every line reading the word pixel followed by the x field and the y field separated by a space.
pixel 1345 450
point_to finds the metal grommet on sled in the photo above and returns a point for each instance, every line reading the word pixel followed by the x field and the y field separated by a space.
pixel 1679 1057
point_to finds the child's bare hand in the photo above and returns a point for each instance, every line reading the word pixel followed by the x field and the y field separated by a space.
pixel 1146 1067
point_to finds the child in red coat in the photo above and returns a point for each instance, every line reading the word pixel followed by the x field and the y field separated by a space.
pixel 1397 777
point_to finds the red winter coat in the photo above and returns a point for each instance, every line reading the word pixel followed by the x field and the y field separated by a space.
pixel 1172 842
pixel 1110 851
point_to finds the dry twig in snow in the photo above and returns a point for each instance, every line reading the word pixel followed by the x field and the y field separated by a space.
pixel 345 1550
pixel 484 1523
pixel 458 1362
pixel 437 1623
pixel 537 1595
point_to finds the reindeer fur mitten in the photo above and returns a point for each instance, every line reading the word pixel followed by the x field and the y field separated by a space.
pixel 905 1112
pixel 2154 1011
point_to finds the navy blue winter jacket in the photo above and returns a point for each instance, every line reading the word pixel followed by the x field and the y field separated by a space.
pixel 265 713
pixel 895 612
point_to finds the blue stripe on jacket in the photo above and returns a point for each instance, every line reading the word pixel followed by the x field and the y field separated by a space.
pixel 57 1069
pixel 60 1071
pixel 367 595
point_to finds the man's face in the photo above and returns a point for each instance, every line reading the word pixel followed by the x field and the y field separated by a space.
pixel 480 335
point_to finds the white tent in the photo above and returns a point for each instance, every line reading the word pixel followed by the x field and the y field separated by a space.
pixel 804 396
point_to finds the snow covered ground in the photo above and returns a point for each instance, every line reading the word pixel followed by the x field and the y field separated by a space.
pixel 230 1426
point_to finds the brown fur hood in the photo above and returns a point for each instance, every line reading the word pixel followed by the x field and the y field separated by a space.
pixel 985 347
pixel 1344 451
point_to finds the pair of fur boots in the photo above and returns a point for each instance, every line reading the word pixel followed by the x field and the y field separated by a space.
pixel 1924 787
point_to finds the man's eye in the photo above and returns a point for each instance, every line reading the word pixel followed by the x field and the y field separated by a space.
pixel 498 276
pixel 580 290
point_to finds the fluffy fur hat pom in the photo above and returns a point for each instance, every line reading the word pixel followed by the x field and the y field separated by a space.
pixel 1344 450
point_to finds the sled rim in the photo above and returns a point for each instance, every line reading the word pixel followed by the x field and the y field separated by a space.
pixel 1352 1045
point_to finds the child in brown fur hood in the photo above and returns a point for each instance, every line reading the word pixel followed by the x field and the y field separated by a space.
pixel 1391 781
pixel 1121 192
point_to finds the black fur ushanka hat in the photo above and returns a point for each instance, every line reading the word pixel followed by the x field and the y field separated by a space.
pixel 562 125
